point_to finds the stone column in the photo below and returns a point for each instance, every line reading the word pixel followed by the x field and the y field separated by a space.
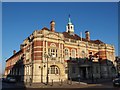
pixel 46 47
pixel 62 53
pixel 59 55
pixel 87 72
pixel 43 52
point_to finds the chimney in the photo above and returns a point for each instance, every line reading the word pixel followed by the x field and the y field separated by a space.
pixel 87 34
pixel 52 26
pixel 14 52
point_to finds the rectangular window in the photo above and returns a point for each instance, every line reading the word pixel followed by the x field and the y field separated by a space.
pixel 97 71
pixel 105 69
pixel 73 69
pixel 52 70
pixel 52 51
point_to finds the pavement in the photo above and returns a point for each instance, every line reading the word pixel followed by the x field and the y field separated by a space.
pixel 69 84
pixel 100 83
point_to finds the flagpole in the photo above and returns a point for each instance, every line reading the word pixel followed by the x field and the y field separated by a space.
pixel 81 35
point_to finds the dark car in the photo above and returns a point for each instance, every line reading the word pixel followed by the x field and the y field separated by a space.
pixel 3 79
pixel 116 81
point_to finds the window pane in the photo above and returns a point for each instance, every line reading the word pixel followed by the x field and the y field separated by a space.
pixel 56 71
pixel 53 70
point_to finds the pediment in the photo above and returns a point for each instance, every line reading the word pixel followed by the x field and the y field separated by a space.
pixel 53 36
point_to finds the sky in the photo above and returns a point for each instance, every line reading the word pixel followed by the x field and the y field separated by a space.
pixel 19 20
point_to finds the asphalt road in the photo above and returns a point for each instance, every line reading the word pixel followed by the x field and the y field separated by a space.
pixel 73 85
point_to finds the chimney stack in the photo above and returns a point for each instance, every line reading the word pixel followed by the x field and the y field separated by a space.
pixel 14 52
pixel 87 34
pixel 52 26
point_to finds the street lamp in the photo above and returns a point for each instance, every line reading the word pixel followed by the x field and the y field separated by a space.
pixel 99 60
pixel 91 60
pixel 48 56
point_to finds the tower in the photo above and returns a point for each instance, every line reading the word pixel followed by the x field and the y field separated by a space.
pixel 87 34
pixel 52 26
pixel 70 27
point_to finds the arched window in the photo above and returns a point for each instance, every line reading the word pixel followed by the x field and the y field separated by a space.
pixel 53 51
pixel 54 69
pixel 83 54
pixel 73 53
pixel 66 54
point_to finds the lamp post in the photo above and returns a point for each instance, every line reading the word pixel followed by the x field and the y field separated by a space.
pixel 91 60
pixel 47 72
pixel 47 56
pixel 99 60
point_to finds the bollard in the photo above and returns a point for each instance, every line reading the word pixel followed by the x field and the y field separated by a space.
pixel 30 81
pixel 79 80
pixel 60 82
pixel 70 81
pixel 67 82
pixel 52 83
pixel 26 81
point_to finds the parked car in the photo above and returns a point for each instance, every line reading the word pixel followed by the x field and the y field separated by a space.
pixel 10 80
pixel 116 81
pixel 3 79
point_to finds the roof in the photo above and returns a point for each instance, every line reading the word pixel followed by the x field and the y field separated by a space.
pixel 97 41
pixel 20 51
pixel 76 37
pixel 45 28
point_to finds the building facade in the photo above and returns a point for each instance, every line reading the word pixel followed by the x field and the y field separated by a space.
pixel 47 55
pixel 117 64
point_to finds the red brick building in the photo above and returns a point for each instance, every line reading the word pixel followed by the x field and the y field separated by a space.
pixel 48 55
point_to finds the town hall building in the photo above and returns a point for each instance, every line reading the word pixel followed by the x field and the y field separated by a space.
pixel 47 55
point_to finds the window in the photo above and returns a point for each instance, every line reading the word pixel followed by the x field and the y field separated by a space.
pixel 73 53
pixel 66 51
pixel 97 70
pixel 66 54
pixel 53 51
pixel 83 54
pixel 73 69
pixel 105 69
pixel 27 56
pixel 54 69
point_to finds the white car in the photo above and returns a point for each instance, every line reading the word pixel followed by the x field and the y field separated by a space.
pixel 116 82
pixel 11 79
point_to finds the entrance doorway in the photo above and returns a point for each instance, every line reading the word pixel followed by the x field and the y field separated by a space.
pixel 83 72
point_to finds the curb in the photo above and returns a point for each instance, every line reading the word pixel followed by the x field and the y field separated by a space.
pixel 83 83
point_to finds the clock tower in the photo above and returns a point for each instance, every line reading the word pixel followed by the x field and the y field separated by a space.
pixel 70 27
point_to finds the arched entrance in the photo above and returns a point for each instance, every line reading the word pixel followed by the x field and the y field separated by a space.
pixel 54 73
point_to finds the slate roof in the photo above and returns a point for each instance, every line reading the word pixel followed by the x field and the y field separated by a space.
pixel 76 37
